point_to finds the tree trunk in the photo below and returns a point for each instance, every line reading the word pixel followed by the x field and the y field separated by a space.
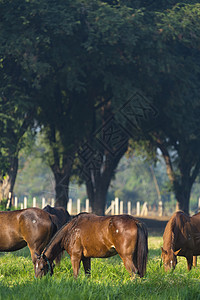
pixel 7 183
pixel 186 172
pixel 97 196
pixel 183 197
pixel 102 157
pixel 62 179
pixel 100 176
pixel 62 189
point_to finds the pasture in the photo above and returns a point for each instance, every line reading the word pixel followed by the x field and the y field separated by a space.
pixel 109 279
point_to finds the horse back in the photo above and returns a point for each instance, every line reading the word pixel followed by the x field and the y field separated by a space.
pixel 22 227
pixel 34 220
pixel 102 236
pixel 36 227
pixel 107 226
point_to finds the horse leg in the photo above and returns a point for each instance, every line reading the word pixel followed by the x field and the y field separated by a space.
pixel 33 256
pixel 58 258
pixel 189 262
pixel 129 265
pixel 194 261
pixel 87 265
pixel 75 260
pixel 35 251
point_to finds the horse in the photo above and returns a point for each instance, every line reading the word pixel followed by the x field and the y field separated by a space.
pixel 181 238
pixel 59 215
pixel 32 227
pixel 90 236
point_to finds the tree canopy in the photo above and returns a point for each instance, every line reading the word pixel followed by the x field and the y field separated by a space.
pixel 63 62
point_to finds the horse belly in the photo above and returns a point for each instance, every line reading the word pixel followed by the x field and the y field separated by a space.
pixel 99 252
pixel 11 243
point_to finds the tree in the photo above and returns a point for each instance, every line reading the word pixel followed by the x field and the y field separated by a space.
pixel 81 80
pixel 85 54
pixel 36 66
pixel 14 123
pixel 177 136
pixel 100 156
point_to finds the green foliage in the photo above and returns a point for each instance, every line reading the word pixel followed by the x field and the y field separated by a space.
pixel 34 179
pixel 3 204
pixel 134 182
pixel 61 60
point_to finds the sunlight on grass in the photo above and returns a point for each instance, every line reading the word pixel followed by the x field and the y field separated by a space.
pixel 109 279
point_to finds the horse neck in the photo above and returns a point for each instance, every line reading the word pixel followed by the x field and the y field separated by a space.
pixel 55 246
pixel 168 237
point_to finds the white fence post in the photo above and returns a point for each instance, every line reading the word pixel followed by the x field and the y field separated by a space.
pixel 34 202
pixel 160 208
pixel 129 207
pixel 9 200
pixel 78 206
pixel 138 208
pixel 121 208
pixel 144 211
pixel 22 206
pixel 116 206
pixel 43 202
pixel 109 208
pixel 87 205
pixel 52 202
pixel 25 202
pixel 69 206
pixel 112 207
pixel 16 202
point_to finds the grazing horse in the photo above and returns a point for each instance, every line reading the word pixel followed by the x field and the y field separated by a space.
pixel 32 227
pixel 88 236
pixel 59 215
pixel 181 237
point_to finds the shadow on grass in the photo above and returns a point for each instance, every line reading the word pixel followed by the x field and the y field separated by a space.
pixel 164 287
pixel 22 252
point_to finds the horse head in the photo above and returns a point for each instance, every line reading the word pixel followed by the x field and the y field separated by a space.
pixel 169 258
pixel 42 266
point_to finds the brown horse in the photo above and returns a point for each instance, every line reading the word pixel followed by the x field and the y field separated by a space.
pixel 88 236
pixel 59 215
pixel 181 237
pixel 32 227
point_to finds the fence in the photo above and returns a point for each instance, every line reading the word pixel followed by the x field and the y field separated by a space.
pixel 74 207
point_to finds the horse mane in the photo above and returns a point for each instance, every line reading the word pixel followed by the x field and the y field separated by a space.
pixel 72 222
pixel 176 222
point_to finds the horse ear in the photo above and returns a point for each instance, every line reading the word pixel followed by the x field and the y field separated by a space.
pixel 163 251
pixel 177 252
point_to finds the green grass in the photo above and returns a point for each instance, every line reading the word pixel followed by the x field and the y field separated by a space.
pixel 109 279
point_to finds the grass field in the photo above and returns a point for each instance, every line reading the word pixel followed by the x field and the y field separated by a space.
pixel 109 279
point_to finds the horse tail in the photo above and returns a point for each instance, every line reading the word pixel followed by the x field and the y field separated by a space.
pixel 142 249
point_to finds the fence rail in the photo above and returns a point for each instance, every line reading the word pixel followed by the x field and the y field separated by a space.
pixel 74 207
